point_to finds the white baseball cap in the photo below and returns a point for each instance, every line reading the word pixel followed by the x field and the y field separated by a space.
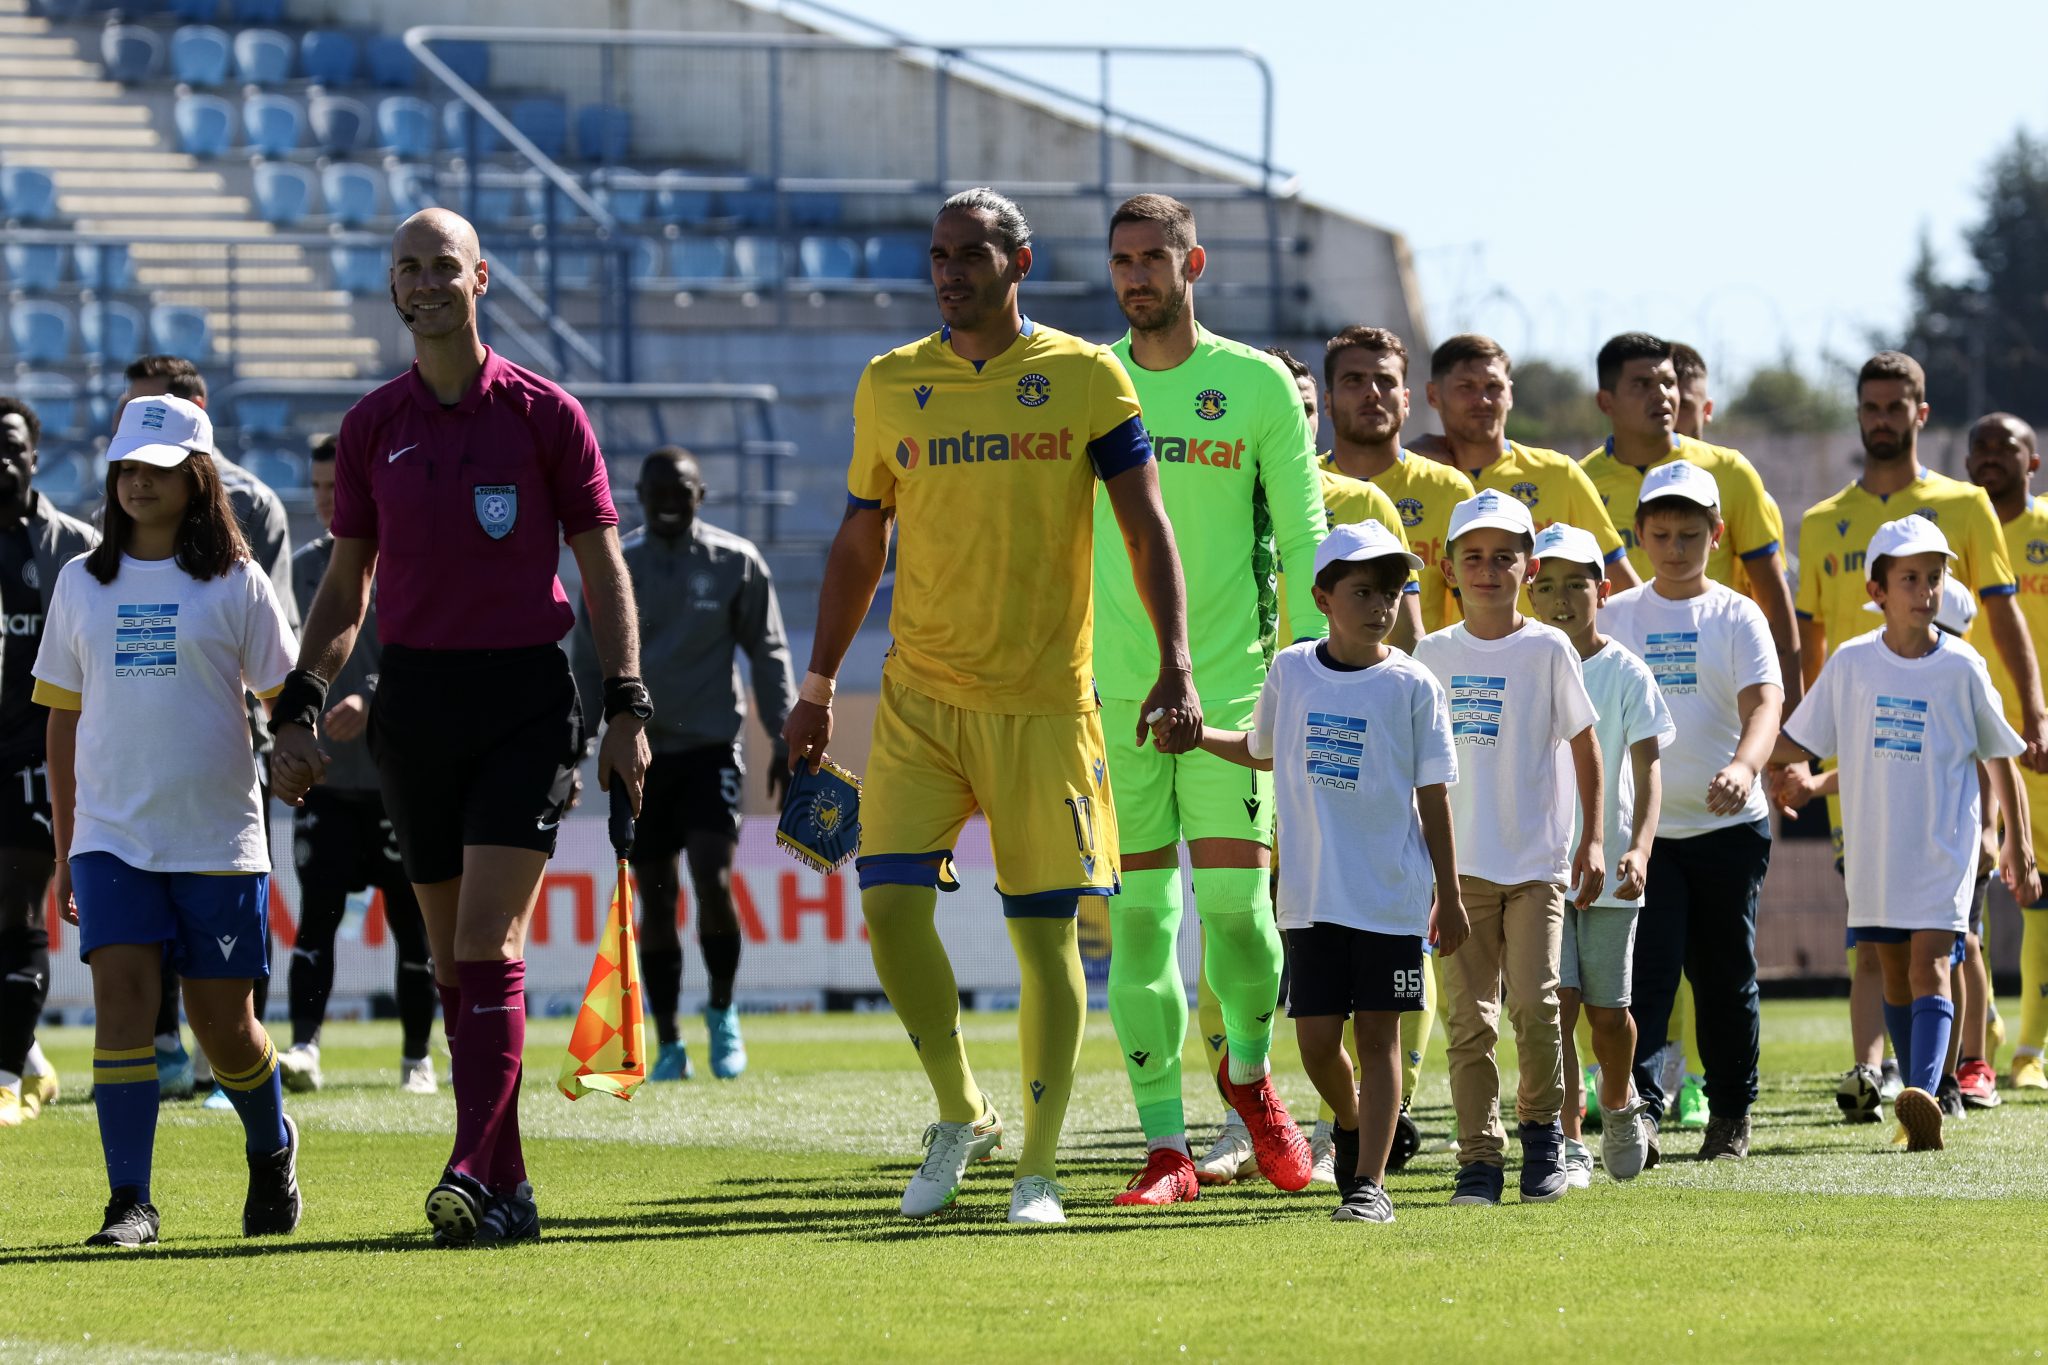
pixel 1954 613
pixel 163 431
pixel 1361 540
pixel 1681 479
pixel 1569 543
pixel 1914 535
pixel 1490 507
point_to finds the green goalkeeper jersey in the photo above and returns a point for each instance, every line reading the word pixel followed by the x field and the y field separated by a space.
pixel 1230 438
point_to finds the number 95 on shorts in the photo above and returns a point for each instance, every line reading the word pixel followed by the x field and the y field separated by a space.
pixel 1335 969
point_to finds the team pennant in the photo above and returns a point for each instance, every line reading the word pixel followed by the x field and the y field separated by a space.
pixel 820 823
pixel 608 1047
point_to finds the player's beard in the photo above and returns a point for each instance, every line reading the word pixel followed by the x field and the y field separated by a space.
pixel 1167 314
pixel 1353 431
pixel 1888 449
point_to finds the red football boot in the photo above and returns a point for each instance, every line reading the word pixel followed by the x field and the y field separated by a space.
pixel 1168 1178
pixel 1283 1153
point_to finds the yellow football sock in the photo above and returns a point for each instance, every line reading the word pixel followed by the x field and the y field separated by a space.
pixel 915 973
pixel 1052 1010
pixel 2034 979
pixel 1415 1029
pixel 1209 1010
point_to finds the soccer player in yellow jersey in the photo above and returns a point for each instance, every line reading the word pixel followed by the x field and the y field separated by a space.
pixel 1472 388
pixel 985 441
pixel 2003 458
pixel 1891 408
pixel 1695 411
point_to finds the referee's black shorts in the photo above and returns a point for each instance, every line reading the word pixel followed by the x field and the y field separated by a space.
pixel 474 746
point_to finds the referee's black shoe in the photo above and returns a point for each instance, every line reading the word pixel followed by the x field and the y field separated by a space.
pixel 274 1205
pixel 455 1207
pixel 510 1218
pixel 129 1223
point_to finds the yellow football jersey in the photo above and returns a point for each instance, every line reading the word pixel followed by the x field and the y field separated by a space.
pixel 1553 488
pixel 1424 491
pixel 991 470
pixel 1754 526
pixel 2026 548
pixel 1836 532
pixel 1347 500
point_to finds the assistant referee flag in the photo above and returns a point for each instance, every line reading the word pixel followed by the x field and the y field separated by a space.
pixel 608 1048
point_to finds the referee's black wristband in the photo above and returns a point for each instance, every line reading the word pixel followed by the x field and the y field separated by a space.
pixel 301 701
pixel 627 694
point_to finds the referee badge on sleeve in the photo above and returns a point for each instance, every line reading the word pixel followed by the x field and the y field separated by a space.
pixel 497 507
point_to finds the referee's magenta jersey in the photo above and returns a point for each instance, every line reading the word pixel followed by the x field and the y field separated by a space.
pixel 465 503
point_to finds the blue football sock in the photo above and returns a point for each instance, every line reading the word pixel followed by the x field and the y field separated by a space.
pixel 258 1096
pixel 125 1091
pixel 1933 1017
pixel 1898 1022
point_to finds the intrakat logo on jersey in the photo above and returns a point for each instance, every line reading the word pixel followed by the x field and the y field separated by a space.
pixel 974 448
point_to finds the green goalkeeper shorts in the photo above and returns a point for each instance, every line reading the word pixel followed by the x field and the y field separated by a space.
pixel 1162 799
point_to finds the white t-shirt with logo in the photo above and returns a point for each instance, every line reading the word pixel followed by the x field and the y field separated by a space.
pixel 1513 701
pixel 160 659
pixel 1631 710
pixel 1703 651
pixel 1349 748
pixel 1908 734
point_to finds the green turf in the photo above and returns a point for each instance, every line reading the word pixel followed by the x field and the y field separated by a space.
pixel 755 1220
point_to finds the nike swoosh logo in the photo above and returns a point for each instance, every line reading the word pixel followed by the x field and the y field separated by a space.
pixel 392 458
pixel 546 824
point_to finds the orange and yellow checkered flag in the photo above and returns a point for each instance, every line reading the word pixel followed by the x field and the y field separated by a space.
pixel 608 1047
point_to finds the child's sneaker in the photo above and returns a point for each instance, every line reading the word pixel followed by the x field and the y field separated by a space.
pixel 1578 1164
pixel 298 1067
pixel 1364 1202
pixel 1323 1170
pixel 1407 1140
pixel 1479 1182
pixel 1727 1139
pixel 1668 1062
pixel 1890 1081
pixel 1919 1115
pixel 1691 1110
pixel 1978 1083
pixel 1860 1096
pixel 1543 1179
pixel 1625 1140
pixel 1948 1093
pixel 128 1223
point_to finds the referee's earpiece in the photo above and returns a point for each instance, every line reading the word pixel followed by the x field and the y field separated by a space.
pixel 394 303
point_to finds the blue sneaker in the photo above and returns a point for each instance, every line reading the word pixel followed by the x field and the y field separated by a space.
pixel 174 1073
pixel 218 1100
pixel 728 1051
pixel 672 1063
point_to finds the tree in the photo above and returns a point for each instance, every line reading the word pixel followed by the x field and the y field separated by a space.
pixel 1780 398
pixel 1554 408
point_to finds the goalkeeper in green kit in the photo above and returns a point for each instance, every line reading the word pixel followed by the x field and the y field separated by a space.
pixel 1236 465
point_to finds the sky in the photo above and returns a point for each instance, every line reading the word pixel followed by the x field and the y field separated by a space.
pixel 1751 177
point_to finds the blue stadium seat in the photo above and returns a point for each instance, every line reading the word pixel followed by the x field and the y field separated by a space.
pixel 749 208
pixel 544 119
pixel 274 124
pixel 27 195
pixel 352 192
pixel 200 54
pixel 106 268
pixel 814 209
pixel 457 118
pixel 329 56
pixel 55 399
pixel 700 259
pixel 196 11
pixel 573 269
pixel 178 329
pixel 256 11
pixel 405 126
pixel 899 256
pixel 278 468
pixel 757 260
pixel 604 132
pixel 391 62
pixel 263 56
pixel 494 203
pixel 340 125
pixel 470 61
pixel 645 263
pixel 130 53
pixel 685 207
pixel 60 474
pixel 41 331
pixel 206 125
pixel 268 415
pixel 111 332
pixel 627 204
pixel 34 268
pixel 360 269
pixel 568 213
pixel 828 258
pixel 412 188
pixel 284 193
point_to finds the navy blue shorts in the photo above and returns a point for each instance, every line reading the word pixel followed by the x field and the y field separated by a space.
pixel 1872 934
pixel 216 927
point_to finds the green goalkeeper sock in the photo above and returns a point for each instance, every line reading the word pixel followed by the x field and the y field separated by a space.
pixel 1241 957
pixel 1147 1001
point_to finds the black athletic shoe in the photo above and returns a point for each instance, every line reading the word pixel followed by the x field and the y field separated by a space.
pixel 1344 1154
pixel 1479 1182
pixel 1727 1139
pixel 1949 1095
pixel 455 1207
pixel 510 1218
pixel 274 1204
pixel 1407 1141
pixel 129 1223
pixel 1365 1201
pixel 1543 1178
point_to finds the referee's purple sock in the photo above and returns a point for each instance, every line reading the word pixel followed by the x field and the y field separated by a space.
pixel 485 1069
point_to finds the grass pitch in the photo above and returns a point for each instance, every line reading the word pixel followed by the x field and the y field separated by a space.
pixel 756 1220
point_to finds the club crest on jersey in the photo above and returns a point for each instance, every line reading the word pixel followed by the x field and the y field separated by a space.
pixel 1526 493
pixel 2037 552
pixel 1410 510
pixel 1210 404
pixel 1033 390
pixel 497 508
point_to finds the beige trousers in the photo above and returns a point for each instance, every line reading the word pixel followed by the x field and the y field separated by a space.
pixel 1517 935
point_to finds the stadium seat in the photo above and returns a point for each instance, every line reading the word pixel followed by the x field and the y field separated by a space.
pixel 329 56
pixel 758 261
pixel 899 256
pixel 130 53
pixel 567 212
pixel 470 61
pixel 544 120
pixel 41 332
pixel 626 204
pixel 390 61
pixel 645 262
pixel 405 126
pixel 27 195
pixel 604 132
pixel 263 56
pixel 284 193
pixel 573 269
pixel 352 192
pixel 828 258
pixel 206 125
pixel 60 475
pixel 494 203
pixel 360 269
pixel 105 268
pixel 684 207
pixel 267 415
pixel 457 119
pixel 256 11
pixel 412 188
pixel 111 332
pixel 274 124
pixel 196 11
pixel 340 125
pixel 200 55
pixel 34 268
pixel 701 259
pixel 278 468
pixel 749 208
pixel 178 329
pixel 55 399
pixel 814 209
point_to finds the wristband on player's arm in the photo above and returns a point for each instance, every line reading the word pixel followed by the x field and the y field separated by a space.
pixel 301 701
pixel 627 694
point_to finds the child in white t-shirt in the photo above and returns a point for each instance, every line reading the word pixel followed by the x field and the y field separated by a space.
pixel 1359 743
pixel 150 642
pixel 1517 699
pixel 1599 941
pixel 1908 713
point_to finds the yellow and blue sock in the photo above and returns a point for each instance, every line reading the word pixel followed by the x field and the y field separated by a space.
pixel 1934 1016
pixel 258 1096
pixel 1147 1002
pixel 1241 956
pixel 125 1091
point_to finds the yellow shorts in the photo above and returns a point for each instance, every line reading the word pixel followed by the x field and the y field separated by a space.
pixel 1042 781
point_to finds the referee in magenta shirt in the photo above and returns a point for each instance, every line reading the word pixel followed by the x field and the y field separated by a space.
pixel 455 480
